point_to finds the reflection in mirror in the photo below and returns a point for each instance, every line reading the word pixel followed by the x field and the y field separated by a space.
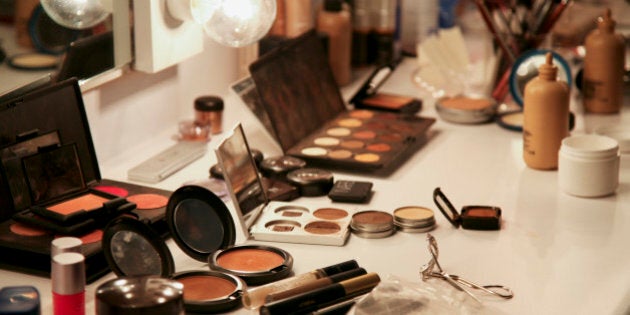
pixel 526 66
pixel 144 260
pixel 36 46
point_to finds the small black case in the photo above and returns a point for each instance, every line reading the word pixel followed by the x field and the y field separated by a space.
pixel 351 191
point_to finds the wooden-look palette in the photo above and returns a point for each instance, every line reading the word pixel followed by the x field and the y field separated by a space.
pixel 311 121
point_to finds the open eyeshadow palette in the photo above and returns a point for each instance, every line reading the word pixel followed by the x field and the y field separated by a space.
pixel 275 221
pixel 50 183
pixel 312 122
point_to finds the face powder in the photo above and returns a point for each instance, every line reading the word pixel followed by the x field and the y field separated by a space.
pixel 206 287
pixel 465 109
pixel 372 224
pixel 249 259
pixel 330 213
pixel 414 219
pixel 322 227
pixel 86 202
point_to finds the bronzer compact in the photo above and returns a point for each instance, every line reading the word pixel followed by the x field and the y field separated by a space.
pixel 471 217
pixel 50 183
pixel 274 221
pixel 311 121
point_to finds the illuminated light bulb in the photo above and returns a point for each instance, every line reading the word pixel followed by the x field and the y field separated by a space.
pixel 238 23
pixel 77 14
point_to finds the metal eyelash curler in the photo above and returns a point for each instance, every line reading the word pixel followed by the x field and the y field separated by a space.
pixel 428 271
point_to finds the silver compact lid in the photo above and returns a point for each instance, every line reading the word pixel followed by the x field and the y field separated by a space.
pixel 68 273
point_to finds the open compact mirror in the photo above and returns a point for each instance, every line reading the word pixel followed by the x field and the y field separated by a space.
pixel 526 66
pixel 524 69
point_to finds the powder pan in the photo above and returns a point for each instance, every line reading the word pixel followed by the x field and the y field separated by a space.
pixel 464 109
pixel 272 264
pixel 230 299
pixel 132 249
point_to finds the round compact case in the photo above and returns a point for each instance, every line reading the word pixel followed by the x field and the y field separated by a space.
pixel 372 224
pixel 311 181
pixel 414 219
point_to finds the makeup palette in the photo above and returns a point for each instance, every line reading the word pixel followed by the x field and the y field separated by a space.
pixel 275 221
pixel 52 119
pixel 311 121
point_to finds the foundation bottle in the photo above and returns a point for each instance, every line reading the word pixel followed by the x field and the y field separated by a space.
pixel 546 117
pixel 299 17
pixel 603 68
pixel 334 20
pixel 384 32
pixel 362 52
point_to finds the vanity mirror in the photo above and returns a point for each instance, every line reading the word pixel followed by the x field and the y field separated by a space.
pixel 117 44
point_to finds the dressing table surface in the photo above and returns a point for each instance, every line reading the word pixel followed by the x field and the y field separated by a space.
pixel 558 253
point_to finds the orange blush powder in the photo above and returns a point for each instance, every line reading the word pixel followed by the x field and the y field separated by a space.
pixel 204 287
pixel 85 202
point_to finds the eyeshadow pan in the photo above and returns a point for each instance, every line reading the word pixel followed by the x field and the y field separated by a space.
pixel 391 137
pixel 481 212
pixel 24 230
pixel 372 217
pixel 379 147
pixel 282 225
pixel 112 190
pixel 338 132
pixel 148 201
pixel 85 202
pixel 326 141
pixel 330 213
pixel 201 288
pixel 314 151
pixel 352 144
pixel 364 114
pixel 367 157
pixel 349 122
pixel 364 134
pixel 249 259
pixel 322 227
pixel 340 154
pixel 291 211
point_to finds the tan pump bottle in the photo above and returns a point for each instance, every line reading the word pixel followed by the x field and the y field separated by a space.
pixel 334 19
pixel 546 117
pixel 603 68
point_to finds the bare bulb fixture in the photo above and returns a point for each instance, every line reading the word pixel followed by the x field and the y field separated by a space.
pixel 77 14
pixel 234 23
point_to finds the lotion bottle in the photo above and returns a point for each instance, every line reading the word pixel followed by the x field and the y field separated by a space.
pixel 603 68
pixel 335 20
pixel 299 17
pixel 546 117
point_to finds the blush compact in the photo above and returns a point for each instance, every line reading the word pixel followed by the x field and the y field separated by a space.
pixel 133 249
pixel 50 182
pixel 471 217
pixel 276 221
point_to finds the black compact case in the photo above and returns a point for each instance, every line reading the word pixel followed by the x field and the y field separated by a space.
pixel 47 157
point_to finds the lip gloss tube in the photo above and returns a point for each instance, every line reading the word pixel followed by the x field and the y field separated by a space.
pixel 254 298
pixel 68 284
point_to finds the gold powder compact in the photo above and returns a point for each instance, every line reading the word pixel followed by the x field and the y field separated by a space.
pixel 414 219
pixel 463 109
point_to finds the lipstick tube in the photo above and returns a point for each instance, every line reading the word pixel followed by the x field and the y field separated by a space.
pixel 254 298
pixel 68 284
pixel 322 297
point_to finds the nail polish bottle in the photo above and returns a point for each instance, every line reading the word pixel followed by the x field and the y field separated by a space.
pixel 68 284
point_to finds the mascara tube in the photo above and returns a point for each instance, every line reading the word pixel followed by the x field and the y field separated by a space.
pixel 322 297
pixel 254 298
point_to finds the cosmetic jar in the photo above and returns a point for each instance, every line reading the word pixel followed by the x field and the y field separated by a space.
pixel 277 167
pixel 588 165
pixel 140 295
pixel 372 224
pixel 466 109
pixel 19 300
pixel 311 181
pixel 414 219
pixel 209 111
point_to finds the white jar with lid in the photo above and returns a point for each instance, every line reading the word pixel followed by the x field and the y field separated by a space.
pixel 588 165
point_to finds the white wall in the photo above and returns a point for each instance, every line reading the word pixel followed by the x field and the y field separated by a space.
pixel 128 110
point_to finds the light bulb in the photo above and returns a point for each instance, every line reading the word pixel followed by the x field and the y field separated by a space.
pixel 77 14
pixel 239 23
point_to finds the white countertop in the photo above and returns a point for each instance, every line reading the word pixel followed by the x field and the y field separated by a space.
pixel 559 254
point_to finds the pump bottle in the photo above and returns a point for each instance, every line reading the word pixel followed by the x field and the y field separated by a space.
pixel 546 117
pixel 603 68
